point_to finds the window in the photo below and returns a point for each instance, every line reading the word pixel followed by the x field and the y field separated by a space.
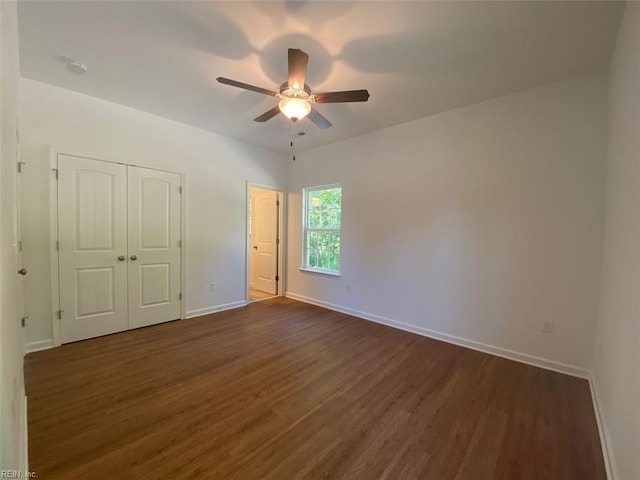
pixel 322 210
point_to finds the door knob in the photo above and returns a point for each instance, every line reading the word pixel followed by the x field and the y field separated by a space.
pixel 255 247
pixel 22 271
pixel 133 257
pixel 121 258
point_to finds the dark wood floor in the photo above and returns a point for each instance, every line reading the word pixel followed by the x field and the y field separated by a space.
pixel 283 390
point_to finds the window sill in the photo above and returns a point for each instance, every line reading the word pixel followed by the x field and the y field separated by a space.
pixel 322 272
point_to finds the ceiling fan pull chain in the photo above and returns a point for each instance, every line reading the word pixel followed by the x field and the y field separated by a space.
pixel 291 132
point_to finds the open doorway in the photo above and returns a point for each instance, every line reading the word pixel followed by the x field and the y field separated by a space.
pixel 264 248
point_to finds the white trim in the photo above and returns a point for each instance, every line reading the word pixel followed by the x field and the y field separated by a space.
pixel 216 309
pixel 108 159
pixel 39 345
pixel 53 252
pixel 19 256
pixel 605 440
pixel 322 272
pixel 445 337
pixel 183 244
pixel 24 434
pixel 282 198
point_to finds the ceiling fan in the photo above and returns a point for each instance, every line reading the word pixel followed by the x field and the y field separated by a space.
pixel 295 95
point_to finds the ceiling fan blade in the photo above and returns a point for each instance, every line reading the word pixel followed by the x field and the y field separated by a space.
pixel 269 114
pixel 246 86
pixel 298 61
pixel 341 97
pixel 317 118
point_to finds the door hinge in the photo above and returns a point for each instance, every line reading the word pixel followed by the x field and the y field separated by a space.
pixel 23 321
pixel 19 245
pixel 179 189
pixel 277 203
pixel 57 245
pixel 20 165
pixel 179 243
pixel 55 170
pixel 277 241
pixel 179 296
pixel 59 314
pixel 277 278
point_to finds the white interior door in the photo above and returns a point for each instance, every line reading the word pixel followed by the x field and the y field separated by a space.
pixel 154 247
pixel 92 220
pixel 264 240
pixel 252 226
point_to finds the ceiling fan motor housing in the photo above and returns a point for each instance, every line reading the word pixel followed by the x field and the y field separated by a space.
pixel 290 92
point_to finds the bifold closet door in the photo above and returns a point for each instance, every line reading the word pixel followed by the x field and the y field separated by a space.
pixel 153 246
pixel 92 224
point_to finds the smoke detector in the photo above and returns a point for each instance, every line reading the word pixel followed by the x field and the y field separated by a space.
pixel 77 67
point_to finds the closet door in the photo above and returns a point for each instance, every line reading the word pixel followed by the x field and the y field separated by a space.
pixel 92 223
pixel 154 246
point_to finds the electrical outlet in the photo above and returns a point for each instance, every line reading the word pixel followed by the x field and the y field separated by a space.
pixel 212 287
pixel 348 288
pixel 547 326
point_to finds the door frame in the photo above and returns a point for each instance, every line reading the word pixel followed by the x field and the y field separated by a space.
pixel 53 231
pixel 18 254
pixel 281 245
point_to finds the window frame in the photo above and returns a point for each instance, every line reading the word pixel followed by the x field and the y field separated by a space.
pixel 305 230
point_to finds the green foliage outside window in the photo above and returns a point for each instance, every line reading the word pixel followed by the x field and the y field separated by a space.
pixel 323 221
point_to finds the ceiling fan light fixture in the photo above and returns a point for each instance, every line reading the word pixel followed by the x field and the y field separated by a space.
pixel 294 108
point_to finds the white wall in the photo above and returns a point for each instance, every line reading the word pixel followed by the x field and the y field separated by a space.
pixel 477 223
pixel 12 399
pixel 217 170
pixel 617 354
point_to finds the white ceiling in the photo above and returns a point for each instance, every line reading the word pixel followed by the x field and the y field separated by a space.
pixel 415 58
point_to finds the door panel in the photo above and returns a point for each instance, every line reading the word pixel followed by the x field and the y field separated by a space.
pixel 155 213
pixel 156 282
pixel 94 225
pixel 96 290
pixel 154 246
pixel 263 238
pixel 93 234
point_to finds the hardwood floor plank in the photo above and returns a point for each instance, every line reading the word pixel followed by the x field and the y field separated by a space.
pixel 483 451
pixel 286 390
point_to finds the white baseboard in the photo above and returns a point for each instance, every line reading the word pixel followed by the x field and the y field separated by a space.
pixel 605 439
pixel 24 434
pixel 216 309
pixel 40 345
pixel 445 337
